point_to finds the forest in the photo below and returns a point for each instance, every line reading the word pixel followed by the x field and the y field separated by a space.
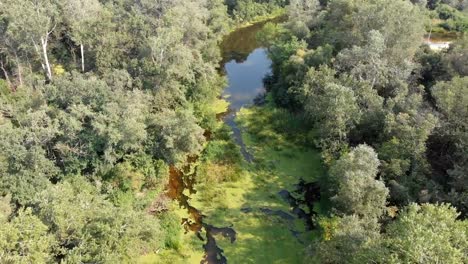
pixel 233 131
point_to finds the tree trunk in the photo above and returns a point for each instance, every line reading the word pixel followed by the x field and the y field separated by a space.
pixel 46 58
pixel 430 33
pixel 20 70
pixel 5 73
pixel 36 47
pixel 82 58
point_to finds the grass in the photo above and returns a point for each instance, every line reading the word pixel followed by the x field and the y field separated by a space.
pixel 279 165
pixel 190 250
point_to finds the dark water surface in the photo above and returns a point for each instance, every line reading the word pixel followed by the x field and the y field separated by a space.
pixel 245 83
pixel 245 64
pixel 246 79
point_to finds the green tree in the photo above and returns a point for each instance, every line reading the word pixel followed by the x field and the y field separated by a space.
pixel 354 183
pixel 31 23
pixel 401 24
pixel 88 228
pixel 421 234
pixel 452 102
pixel 174 135
pixel 427 234
pixel 408 125
pixel 26 139
pixel 331 107
pixel 372 63
pixel 25 239
pixel 456 58
pixel 305 14
pixel 349 239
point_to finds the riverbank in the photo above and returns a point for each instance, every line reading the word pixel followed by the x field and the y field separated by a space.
pixel 280 12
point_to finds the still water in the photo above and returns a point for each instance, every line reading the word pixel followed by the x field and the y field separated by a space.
pixel 246 79
pixel 245 64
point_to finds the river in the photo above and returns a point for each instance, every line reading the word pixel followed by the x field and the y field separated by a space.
pixel 245 63
pixel 440 41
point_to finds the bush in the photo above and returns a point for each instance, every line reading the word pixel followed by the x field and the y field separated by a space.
pixel 222 151
pixel 173 231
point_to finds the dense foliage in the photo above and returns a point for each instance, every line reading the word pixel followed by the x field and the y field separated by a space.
pixel 100 100
pixel 249 10
pixel 389 116
pixel 97 100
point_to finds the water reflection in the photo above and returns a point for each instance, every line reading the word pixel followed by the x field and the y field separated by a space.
pixel 242 42
pixel 246 79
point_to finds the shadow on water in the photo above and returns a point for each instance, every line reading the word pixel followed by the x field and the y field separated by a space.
pixel 240 43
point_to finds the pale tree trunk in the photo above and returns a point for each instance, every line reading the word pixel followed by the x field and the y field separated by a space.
pixel 46 58
pixel 82 58
pixel 5 72
pixel 38 54
pixel 20 70
pixel 430 33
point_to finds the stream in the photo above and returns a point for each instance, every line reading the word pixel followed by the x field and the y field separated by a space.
pixel 245 64
pixel 245 69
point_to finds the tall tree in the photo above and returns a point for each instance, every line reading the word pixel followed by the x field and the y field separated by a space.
pixel 89 228
pixel 401 24
pixel 373 63
pixel 25 239
pixel 174 135
pixel 81 16
pixel 331 107
pixel 305 13
pixel 408 125
pixel 348 239
pixel 452 102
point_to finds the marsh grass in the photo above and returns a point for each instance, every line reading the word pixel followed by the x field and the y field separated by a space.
pixel 281 160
